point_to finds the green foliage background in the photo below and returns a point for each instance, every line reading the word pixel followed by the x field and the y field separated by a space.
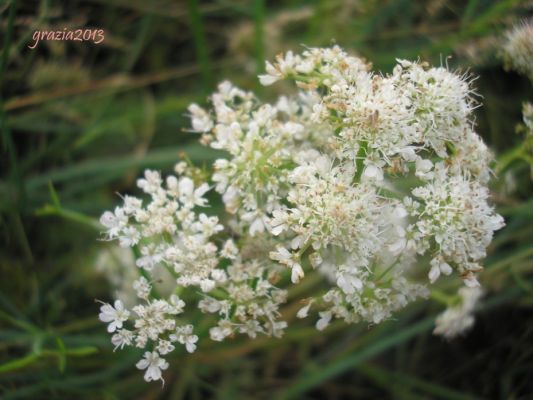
pixel 80 121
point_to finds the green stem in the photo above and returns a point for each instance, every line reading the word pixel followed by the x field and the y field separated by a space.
pixel 19 363
pixel 69 215
pixel 387 270
pixel 441 297
pixel 359 161
pixel 19 324
pixel 200 43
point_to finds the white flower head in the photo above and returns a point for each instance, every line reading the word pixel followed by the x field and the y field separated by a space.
pixel 360 174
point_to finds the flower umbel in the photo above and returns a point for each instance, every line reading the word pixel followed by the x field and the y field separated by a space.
pixel 377 184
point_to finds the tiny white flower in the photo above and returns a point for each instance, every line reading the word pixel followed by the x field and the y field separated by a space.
pixel 207 285
pixel 154 365
pixel 323 322
pixel 188 195
pixel 445 268
pixel 267 80
pixel 201 122
pixel 122 338
pixel 297 273
pixel 471 281
pixel 348 282
pixel 303 312
pixel 130 237
pixel 315 259
pixel 190 343
pixel 257 226
pixel 229 250
pixel 219 275
pixel 177 304
pixel 185 336
pixel 372 171
pixel 438 266
pixel 282 255
pixel 142 287
pixel 423 168
pixel 115 315
pixel 164 347
pixel 434 273
pixel 112 223
pixel 180 167
pixel 278 328
pixel 396 247
pixel 219 333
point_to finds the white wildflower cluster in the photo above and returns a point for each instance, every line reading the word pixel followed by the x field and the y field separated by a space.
pixel 518 49
pixel 168 233
pixel 376 182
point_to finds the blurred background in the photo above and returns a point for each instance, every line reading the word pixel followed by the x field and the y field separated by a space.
pixel 80 121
